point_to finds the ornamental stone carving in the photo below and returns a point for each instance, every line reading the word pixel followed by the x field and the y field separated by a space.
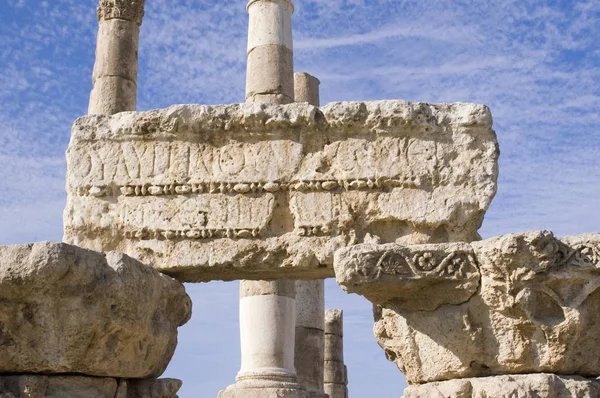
pixel 129 10
pixel 261 191
pixel 519 303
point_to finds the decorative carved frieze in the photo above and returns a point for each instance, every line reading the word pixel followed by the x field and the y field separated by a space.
pixel 255 186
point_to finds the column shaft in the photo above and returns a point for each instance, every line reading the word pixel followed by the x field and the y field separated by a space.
pixel 336 377
pixel 310 295
pixel 268 308
pixel 115 70
pixel 270 68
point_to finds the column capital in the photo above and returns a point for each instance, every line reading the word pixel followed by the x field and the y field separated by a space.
pixel 129 10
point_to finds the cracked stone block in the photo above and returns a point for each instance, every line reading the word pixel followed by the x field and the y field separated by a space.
pixel 64 309
pixel 522 303
pixel 256 191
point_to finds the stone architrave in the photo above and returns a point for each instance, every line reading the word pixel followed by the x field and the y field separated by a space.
pixel 258 191
pixel 64 309
pixel 116 67
pixel 514 304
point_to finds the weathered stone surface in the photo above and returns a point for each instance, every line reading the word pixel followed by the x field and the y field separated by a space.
pixel 535 311
pixel 260 191
pixel 129 10
pixel 39 386
pixel 64 309
pixel 335 372
pixel 153 388
pixel 419 277
pixel 513 386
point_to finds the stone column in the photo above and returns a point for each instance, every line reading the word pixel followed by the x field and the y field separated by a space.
pixel 268 308
pixel 115 70
pixel 336 377
pixel 310 336
pixel 306 88
pixel 310 295
pixel 270 69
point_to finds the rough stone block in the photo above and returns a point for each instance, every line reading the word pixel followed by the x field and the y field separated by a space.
pixel 535 310
pixel 258 191
pixel 521 386
pixel 419 277
pixel 40 386
pixel 64 309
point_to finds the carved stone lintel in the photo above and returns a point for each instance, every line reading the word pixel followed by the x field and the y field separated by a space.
pixel 129 10
pixel 419 277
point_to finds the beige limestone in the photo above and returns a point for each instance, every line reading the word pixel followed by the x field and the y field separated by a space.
pixel 306 89
pixel 267 308
pixel 310 336
pixel 261 191
pixel 535 309
pixel 115 70
pixel 335 372
pixel 310 295
pixel 72 386
pixel 64 309
pixel 513 386
pixel 419 277
pixel 270 67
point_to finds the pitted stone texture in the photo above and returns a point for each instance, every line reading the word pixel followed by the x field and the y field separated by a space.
pixel 259 191
pixel 510 386
pixel 306 88
pixel 535 311
pixel 129 10
pixel 64 309
pixel 418 277
pixel 39 386
pixel 153 388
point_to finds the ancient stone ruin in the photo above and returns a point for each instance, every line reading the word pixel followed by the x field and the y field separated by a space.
pixel 279 192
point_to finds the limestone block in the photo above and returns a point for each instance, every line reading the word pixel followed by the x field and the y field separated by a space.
pixel 270 71
pixel 338 390
pixel 153 388
pixel 419 277
pixel 256 191
pixel 270 23
pixel 64 309
pixel 112 95
pixel 310 304
pixel 306 88
pixel 334 322
pixel 117 50
pixel 40 386
pixel 309 357
pixel 513 386
pixel 535 310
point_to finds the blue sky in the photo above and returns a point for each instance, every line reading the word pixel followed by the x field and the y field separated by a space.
pixel 535 63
